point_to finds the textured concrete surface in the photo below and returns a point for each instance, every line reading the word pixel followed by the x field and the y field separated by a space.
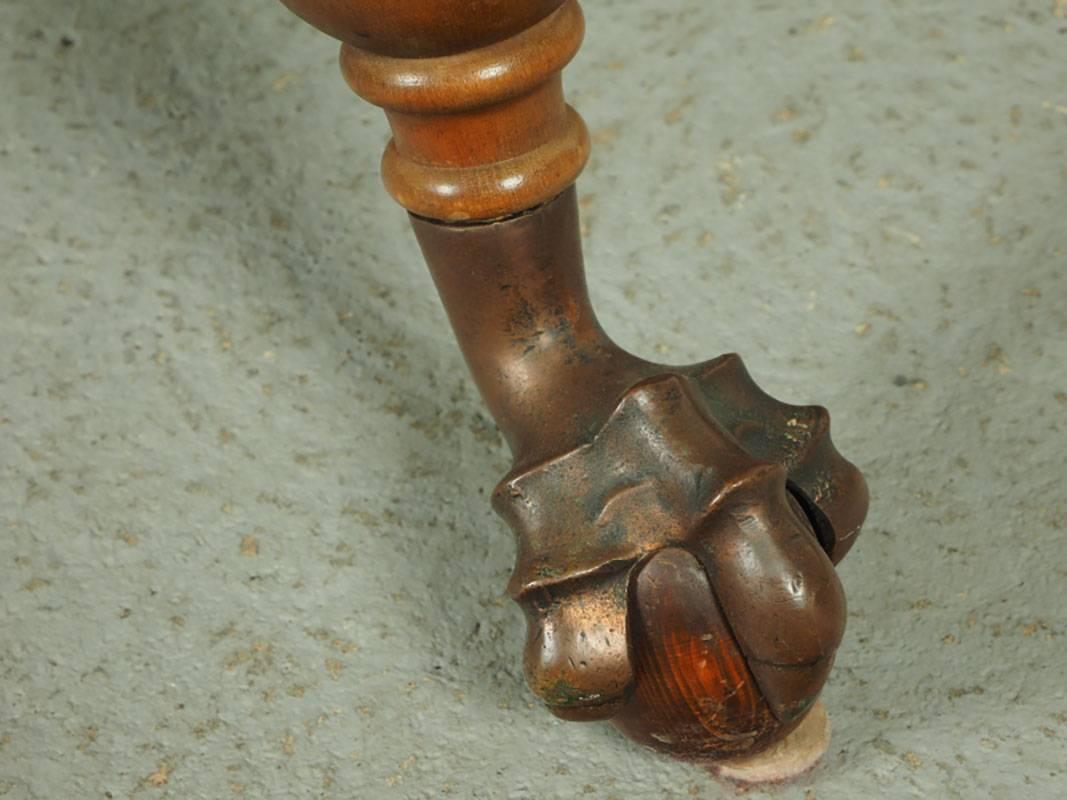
pixel 246 545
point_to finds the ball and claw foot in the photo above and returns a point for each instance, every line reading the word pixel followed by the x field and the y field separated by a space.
pixel 677 571
pixel 677 527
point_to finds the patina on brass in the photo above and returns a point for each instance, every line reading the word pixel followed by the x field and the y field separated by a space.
pixel 677 528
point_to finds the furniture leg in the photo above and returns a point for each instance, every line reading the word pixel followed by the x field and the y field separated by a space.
pixel 677 528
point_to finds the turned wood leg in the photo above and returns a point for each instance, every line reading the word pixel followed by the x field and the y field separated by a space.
pixel 677 528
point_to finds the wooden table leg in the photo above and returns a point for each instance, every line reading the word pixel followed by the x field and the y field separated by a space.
pixel 677 528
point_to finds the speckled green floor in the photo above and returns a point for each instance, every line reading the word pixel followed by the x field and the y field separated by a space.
pixel 246 545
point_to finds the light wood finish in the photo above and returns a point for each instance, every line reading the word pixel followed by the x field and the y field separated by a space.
pixel 479 133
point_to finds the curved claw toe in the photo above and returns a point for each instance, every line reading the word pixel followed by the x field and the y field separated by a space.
pixel 577 659
pixel 711 684
pixel 694 695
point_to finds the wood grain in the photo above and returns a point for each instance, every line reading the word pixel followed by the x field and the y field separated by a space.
pixel 480 127
pixel 694 695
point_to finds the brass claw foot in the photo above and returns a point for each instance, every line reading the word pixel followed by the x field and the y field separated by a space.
pixel 677 527
pixel 676 569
